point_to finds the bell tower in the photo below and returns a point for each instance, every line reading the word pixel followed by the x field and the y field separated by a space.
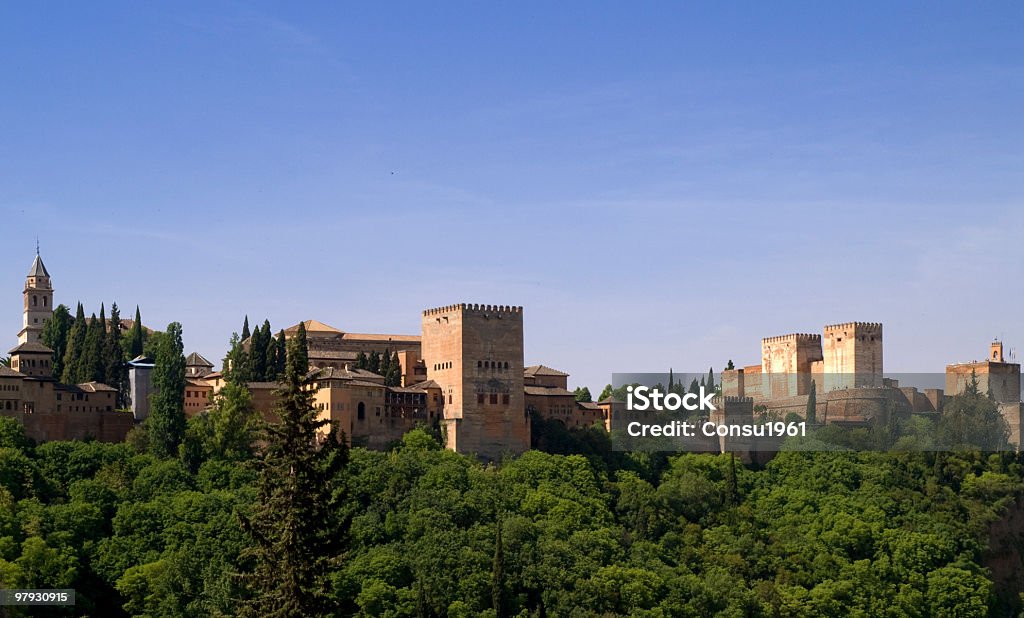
pixel 38 300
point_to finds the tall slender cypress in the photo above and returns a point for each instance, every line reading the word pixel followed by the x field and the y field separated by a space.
pixel 55 337
pixel 76 346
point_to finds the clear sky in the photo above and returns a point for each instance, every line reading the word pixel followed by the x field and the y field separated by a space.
pixel 657 184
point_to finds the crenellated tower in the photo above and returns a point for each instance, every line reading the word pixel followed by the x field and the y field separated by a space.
pixel 853 355
pixel 475 354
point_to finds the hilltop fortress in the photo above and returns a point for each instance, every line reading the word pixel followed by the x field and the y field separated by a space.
pixel 465 374
pixel 845 366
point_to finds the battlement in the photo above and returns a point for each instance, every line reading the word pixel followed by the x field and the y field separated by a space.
pixel 798 337
pixel 729 399
pixel 860 326
pixel 475 307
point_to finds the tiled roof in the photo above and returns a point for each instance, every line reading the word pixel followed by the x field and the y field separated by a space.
pixel 541 370
pixel 548 392
pixel 345 373
pixel 382 338
pixel 195 360
pixel 31 346
pixel 589 405
pixel 38 268
pixel 312 326
pixel 7 372
pixel 425 384
pixel 96 387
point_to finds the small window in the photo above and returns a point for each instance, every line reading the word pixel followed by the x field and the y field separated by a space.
pixel 479 397
pixel 504 399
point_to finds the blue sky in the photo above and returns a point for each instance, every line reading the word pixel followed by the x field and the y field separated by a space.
pixel 657 184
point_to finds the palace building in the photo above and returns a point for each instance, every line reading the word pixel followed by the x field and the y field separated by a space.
pixel 32 395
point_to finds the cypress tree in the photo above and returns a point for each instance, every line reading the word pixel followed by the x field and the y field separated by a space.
pixel 166 422
pixel 136 341
pixel 812 404
pixel 258 353
pixel 280 356
pixel 361 361
pixel 711 379
pixel 92 351
pixel 76 345
pixel 100 371
pixel 269 357
pixel 117 368
pixel 245 329
pixel 55 337
pixel 396 370
pixel 695 386
pixel 498 573
pixel 385 366
pixel 300 351
pixel 295 526
pixel 671 385
pixel 374 363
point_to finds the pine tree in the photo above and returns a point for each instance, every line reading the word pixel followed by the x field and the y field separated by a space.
pixel 582 394
pixel 76 346
pixel 606 392
pixel 166 422
pixel 55 337
pixel 295 525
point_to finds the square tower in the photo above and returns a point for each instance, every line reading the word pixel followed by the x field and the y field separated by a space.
pixel 787 362
pixel 853 355
pixel 475 354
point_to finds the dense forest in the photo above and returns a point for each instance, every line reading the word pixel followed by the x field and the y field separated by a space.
pixel 434 533
pixel 224 515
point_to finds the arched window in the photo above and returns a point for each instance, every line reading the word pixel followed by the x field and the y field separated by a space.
pixel 361 411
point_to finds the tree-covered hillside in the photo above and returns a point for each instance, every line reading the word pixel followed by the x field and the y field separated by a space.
pixel 434 533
